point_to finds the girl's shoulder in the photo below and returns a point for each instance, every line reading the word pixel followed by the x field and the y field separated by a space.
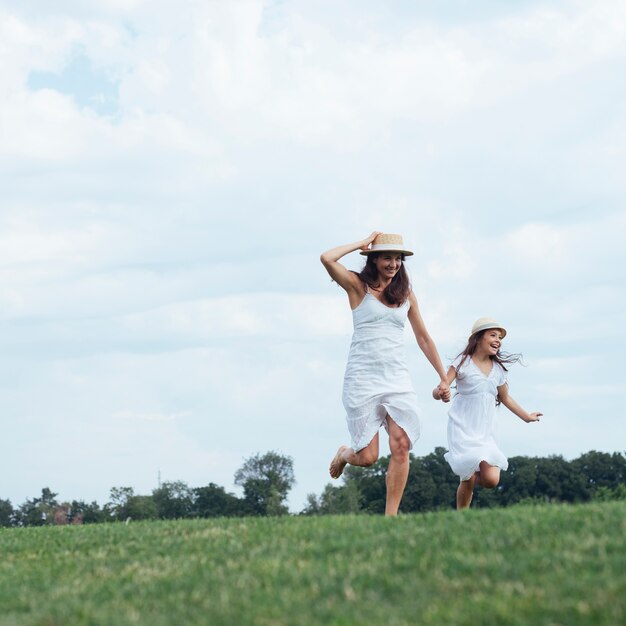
pixel 459 363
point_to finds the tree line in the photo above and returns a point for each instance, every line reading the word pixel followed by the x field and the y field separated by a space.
pixel 267 478
pixel 266 481
pixel 432 486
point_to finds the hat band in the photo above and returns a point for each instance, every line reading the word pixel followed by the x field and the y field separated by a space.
pixel 487 327
pixel 386 246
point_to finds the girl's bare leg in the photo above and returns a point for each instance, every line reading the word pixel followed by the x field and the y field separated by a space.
pixel 363 458
pixel 465 492
pixel 488 475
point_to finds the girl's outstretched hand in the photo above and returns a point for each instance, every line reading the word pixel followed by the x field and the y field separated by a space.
pixel 366 242
pixel 534 417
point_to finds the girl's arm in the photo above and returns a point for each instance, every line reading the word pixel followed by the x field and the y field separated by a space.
pixel 345 278
pixel 426 344
pixel 509 403
pixel 437 394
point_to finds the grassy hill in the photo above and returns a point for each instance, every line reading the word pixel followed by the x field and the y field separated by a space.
pixel 522 565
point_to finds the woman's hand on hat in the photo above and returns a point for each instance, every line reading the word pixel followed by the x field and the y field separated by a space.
pixel 368 240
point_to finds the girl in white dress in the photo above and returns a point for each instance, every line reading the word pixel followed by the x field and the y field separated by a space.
pixel 480 372
pixel 377 389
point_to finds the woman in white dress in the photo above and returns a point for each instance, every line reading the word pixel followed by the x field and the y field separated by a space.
pixel 480 372
pixel 377 388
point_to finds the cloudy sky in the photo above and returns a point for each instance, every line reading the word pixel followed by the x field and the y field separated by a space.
pixel 171 173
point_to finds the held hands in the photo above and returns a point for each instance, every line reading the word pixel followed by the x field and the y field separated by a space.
pixel 442 392
pixel 368 240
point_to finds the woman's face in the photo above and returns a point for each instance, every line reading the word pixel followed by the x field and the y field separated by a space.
pixel 491 341
pixel 388 264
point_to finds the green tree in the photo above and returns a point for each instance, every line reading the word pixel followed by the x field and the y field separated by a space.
pixel 125 504
pixel 431 484
pixel 266 480
pixel 117 506
pixel 370 484
pixel 559 480
pixel 312 506
pixel 82 512
pixel 518 482
pixel 343 499
pixel 7 514
pixel 605 494
pixel 215 501
pixel 141 507
pixel 173 500
pixel 446 482
pixel 601 469
pixel 420 493
pixel 38 511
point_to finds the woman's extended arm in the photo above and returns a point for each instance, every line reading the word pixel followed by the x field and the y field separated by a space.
pixel 514 407
pixel 426 344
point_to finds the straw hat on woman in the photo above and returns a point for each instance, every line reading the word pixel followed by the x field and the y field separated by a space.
pixel 377 389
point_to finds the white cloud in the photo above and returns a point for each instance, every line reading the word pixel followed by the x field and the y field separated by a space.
pixel 25 242
pixel 263 314
pixel 569 392
pixel 456 259
pixel 149 417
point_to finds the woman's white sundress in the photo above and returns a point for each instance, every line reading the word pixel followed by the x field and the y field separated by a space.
pixel 377 381
pixel 472 419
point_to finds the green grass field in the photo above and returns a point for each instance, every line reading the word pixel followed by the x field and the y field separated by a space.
pixel 522 565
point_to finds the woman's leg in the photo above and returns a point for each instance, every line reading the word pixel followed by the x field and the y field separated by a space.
pixel 363 458
pixel 398 470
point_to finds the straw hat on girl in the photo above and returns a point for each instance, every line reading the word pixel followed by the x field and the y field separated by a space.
pixel 485 323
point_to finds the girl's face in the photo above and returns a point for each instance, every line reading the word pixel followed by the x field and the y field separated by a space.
pixel 388 264
pixel 490 342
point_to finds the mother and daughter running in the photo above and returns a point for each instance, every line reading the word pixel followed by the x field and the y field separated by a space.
pixel 377 389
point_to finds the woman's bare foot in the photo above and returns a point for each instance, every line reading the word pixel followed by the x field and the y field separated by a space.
pixel 338 463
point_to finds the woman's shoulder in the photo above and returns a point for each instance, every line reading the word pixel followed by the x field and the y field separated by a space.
pixel 357 281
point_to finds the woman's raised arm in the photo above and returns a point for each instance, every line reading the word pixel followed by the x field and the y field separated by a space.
pixel 330 259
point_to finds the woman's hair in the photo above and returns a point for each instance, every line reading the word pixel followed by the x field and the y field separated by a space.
pixel 397 291
pixel 501 358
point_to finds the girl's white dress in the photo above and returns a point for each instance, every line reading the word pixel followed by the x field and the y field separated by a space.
pixel 472 419
pixel 377 379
